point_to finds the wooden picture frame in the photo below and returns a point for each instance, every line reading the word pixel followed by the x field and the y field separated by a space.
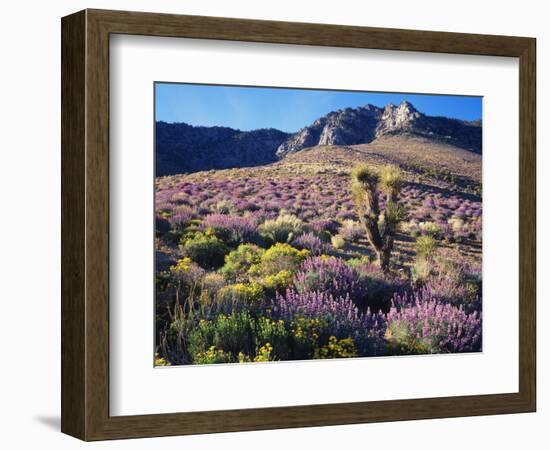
pixel 85 224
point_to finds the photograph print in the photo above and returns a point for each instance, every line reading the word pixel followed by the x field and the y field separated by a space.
pixel 305 224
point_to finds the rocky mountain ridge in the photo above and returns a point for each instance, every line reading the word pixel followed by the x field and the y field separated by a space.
pixel 182 148
pixel 364 124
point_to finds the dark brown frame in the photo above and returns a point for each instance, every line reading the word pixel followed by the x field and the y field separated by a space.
pixel 85 224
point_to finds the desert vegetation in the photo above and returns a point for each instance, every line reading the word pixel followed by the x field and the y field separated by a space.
pixel 332 252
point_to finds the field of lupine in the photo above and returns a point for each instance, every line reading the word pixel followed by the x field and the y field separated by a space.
pixel 278 263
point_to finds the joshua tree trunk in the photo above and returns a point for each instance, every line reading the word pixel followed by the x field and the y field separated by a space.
pixel 376 241
pixel 383 258
pixel 382 249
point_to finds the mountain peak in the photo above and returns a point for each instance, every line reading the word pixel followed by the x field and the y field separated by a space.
pixel 364 124
pixel 407 105
pixel 369 107
pixel 398 118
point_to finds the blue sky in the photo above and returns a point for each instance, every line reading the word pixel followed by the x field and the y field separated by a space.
pixel 249 108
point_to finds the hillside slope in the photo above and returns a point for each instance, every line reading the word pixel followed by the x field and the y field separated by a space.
pixel 314 184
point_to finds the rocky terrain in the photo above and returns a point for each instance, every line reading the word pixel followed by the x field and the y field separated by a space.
pixel 182 148
pixel 365 124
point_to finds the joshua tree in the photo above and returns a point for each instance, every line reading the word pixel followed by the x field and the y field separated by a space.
pixel 366 186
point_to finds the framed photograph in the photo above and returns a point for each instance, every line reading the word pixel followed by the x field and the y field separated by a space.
pixel 273 225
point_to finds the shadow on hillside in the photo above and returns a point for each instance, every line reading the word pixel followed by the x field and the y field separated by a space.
pixel 443 191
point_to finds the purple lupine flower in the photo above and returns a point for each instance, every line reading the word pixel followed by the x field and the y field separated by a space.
pixel 320 225
pixel 232 229
pixel 312 243
pixel 340 314
pixel 332 276
pixel 181 216
pixel 434 326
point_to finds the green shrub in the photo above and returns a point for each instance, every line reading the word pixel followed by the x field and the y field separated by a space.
pixel 172 237
pixel 205 249
pixel 212 283
pixel 232 333
pixel 279 257
pixel 239 261
pixel 199 338
pixel 235 333
pixel 273 333
pixel 401 340
pixel 359 263
pixel 174 339
pixel 425 246
pixel 181 285
pixel 282 229
pixel 431 229
pixel 423 264
pixel 421 269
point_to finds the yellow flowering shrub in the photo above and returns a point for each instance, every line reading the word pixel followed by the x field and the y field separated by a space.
pixel 336 348
pixel 277 258
pixel 251 292
pixel 243 358
pixel 239 261
pixel 182 266
pixel 277 282
pixel 160 361
pixel 264 353
pixel 305 334
pixel 213 356
pixel 275 333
